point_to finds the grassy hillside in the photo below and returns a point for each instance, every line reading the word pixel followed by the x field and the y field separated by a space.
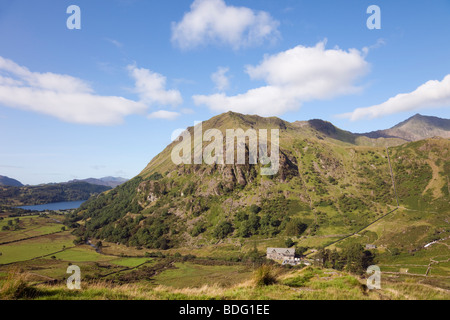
pixel 329 185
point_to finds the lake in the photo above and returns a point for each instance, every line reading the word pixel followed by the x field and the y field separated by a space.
pixel 54 206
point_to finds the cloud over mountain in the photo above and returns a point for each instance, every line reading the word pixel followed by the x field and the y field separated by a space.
pixel 292 77
pixel 151 87
pixel 431 94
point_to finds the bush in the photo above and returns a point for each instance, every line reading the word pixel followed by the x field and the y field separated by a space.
pixel 295 227
pixel 198 229
pixel 264 275
pixel 289 243
pixel 299 251
pixel 254 209
pixel 222 230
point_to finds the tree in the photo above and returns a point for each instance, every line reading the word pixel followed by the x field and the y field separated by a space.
pixel 244 230
pixel 356 258
pixel 222 230
pixel 254 223
pixel 295 227
pixel 198 229
pixel 289 243
pixel 254 209
pixel 241 216
pixel 299 251
pixel 321 257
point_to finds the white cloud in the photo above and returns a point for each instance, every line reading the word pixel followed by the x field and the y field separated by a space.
pixel 432 94
pixel 380 42
pixel 163 114
pixel 293 77
pixel 73 100
pixel 220 79
pixel 214 21
pixel 46 81
pixel 67 98
pixel 115 42
pixel 151 87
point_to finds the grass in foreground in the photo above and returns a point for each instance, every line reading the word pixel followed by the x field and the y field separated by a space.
pixel 306 284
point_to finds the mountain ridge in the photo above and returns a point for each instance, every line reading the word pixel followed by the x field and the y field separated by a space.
pixel 105 181
pixel 6 181
pixel 417 127
pixel 330 182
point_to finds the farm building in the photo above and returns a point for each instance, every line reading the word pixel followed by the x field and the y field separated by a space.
pixel 281 253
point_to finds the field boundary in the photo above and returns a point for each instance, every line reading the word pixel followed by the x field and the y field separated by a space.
pixel 33 237
pixel 40 257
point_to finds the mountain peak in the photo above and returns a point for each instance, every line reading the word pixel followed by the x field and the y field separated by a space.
pixel 417 127
pixel 234 120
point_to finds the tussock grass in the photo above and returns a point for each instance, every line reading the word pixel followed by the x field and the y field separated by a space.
pixel 267 283
pixel 265 275
pixel 16 286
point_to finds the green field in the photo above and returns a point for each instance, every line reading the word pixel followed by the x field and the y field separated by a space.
pixel 130 262
pixel 29 226
pixel 82 254
pixel 34 248
pixel 195 275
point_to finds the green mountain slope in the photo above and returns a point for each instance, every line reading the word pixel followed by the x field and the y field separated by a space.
pixel 330 183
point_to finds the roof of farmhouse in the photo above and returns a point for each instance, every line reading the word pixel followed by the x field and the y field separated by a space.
pixel 288 251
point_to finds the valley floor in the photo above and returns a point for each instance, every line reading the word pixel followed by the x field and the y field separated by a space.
pixel 35 257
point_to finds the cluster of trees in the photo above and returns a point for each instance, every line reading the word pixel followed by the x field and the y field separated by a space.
pixel 12 225
pixel 102 213
pixel 254 221
pixel 270 219
pixel 155 232
pixel 107 217
pixel 352 258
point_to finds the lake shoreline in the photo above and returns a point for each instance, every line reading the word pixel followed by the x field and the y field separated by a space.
pixel 54 206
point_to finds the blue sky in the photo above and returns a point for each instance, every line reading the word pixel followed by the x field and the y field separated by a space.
pixel 105 99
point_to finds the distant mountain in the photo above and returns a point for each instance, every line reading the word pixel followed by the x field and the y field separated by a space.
pixel 5 181
pixel 416 128
pixel 106 181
